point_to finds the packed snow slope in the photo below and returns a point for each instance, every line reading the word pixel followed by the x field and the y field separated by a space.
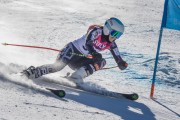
pixel 54 23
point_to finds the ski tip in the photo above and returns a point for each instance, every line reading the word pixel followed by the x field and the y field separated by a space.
pixel 59 93
pixel 134 96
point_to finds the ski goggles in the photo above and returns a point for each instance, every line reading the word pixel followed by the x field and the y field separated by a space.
pixel 115 33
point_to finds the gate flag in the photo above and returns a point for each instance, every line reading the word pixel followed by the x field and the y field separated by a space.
pixel 171 16
pixel 171 20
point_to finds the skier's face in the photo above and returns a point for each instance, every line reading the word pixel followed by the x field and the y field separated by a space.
pixel 111 39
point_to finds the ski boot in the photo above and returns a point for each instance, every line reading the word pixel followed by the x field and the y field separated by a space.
pixel 32 72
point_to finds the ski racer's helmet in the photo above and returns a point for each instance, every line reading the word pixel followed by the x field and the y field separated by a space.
pixel 113 27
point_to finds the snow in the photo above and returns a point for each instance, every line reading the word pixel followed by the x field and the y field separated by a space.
pixel 54 23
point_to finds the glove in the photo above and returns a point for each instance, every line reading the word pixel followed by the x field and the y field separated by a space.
pixel 122 65
pixel 96 56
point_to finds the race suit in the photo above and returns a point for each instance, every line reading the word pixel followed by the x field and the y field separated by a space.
pixel 94 41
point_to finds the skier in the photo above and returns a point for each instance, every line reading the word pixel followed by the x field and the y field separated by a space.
pixel 97 38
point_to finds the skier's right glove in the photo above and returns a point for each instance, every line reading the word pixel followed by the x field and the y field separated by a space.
pixel 122 65
pixel 96 56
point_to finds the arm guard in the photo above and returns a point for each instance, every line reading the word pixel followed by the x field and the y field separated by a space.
pixel 115 52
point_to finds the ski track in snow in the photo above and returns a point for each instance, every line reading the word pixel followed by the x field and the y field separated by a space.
pixel 53 23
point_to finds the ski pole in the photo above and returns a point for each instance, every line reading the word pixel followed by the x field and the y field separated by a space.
pixel 29 46
pixel 47 48
pixel 109 68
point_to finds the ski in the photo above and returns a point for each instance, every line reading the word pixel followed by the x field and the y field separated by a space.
pixel 130 96
pixel 59 93
pixel 105 93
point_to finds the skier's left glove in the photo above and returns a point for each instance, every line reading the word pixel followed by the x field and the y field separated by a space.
pixel 122 65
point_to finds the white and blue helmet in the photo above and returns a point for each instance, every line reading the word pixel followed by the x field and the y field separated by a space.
pixel 113 27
